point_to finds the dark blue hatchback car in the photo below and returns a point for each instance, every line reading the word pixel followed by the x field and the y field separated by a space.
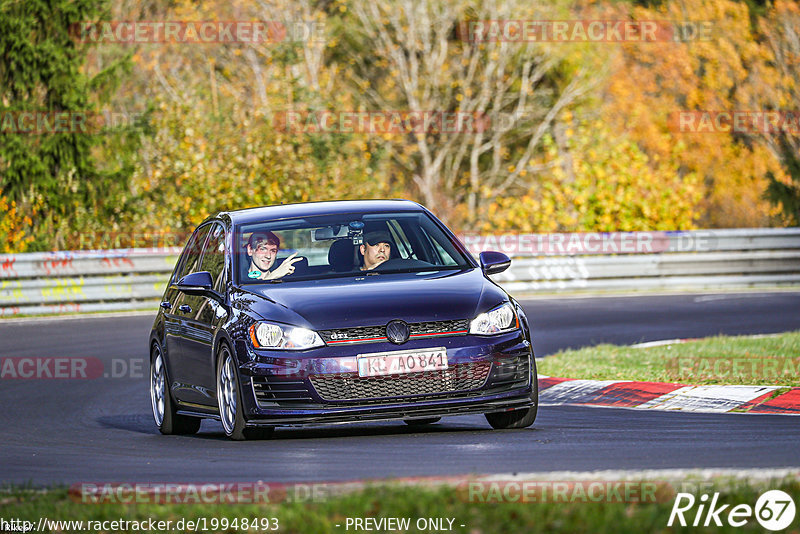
pixel 331 312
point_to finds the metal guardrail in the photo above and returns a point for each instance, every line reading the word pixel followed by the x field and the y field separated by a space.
pixel 90 281
pixel 42 283
pixel 700 259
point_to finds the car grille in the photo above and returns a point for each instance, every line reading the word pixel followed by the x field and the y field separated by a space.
pixel 268 389
pixel 349 386
pixel 367 334
pixel 510 373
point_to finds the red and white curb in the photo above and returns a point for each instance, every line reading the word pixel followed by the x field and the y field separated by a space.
pixel 666 396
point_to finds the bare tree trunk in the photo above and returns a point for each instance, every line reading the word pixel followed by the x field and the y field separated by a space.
pixel 429 70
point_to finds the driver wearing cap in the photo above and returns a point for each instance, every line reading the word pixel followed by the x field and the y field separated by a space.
pixel 376 249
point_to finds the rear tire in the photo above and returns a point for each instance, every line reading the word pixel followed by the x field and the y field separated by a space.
pixel 523 417
pixel 165 414
pixel 422 422
pixel 229 399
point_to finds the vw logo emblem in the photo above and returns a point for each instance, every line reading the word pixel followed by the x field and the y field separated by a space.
pixel 397 331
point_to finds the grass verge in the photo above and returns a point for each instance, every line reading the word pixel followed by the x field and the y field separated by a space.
pixel 743 360
pixel 574 513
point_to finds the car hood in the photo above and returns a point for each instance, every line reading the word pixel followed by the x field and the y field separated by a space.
pixel 374 300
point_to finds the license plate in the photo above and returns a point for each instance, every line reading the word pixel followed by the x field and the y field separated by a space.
pixel 402 361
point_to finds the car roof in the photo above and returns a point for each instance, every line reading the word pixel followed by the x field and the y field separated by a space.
pixel 310 209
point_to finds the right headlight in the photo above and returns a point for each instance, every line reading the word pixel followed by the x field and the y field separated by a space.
pixel 283 337
pixel 498 320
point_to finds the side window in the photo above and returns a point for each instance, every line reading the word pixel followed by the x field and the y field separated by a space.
pixel 444 257
pixel 214 255
pixel 192 252
pixel 401 241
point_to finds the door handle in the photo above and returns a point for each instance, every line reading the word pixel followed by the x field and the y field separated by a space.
pixel 167 305
pixel 185 308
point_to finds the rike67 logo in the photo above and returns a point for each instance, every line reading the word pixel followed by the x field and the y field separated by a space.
pixel 774 510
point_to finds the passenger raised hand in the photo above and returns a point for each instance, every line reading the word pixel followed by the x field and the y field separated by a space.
pixel 286 267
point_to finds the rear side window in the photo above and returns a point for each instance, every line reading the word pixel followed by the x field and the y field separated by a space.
pixel 214 255
pixel 191 254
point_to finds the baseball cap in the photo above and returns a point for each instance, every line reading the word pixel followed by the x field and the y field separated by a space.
pixel 373 238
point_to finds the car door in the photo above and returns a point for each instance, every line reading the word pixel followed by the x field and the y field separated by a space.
pixel 175 318
pixel 202 316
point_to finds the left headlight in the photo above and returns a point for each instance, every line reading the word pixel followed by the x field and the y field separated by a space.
pixel 283 337
pixel 496 321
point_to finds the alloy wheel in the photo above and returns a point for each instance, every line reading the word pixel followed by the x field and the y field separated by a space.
pixel 226 392
pixel 157 386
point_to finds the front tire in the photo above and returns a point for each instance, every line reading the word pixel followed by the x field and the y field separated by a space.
pixel 229 400
pixel 165 415
pixel 523 417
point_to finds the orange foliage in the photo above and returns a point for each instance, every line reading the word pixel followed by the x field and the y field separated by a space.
pixel 13 226
pixel 653 82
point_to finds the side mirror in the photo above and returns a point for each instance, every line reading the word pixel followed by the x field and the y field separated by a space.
pixel 199 283
pixel 494 262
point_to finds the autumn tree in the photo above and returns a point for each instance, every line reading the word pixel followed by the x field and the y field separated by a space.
pixel 599 180
pixel 710 72
pixel 422 56
pixel 215 144
pixel 56 181
pixel 781 93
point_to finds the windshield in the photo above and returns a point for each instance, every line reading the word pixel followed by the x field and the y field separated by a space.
pixel 321 247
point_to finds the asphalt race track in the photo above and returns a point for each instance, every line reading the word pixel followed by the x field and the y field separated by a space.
pixel 578 322
pixel 70 431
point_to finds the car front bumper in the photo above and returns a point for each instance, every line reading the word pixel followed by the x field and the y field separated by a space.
pixel 485 374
